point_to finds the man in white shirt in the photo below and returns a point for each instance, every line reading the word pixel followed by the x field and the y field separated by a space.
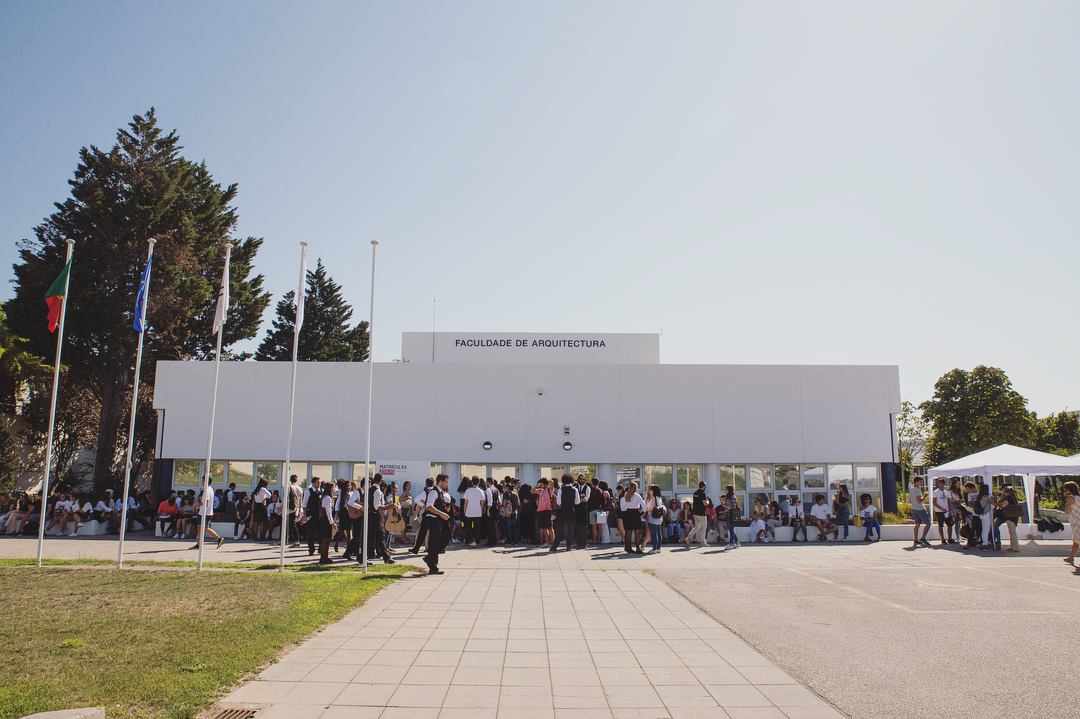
pixel 942 512
pixel 354 511
pixel 819 516
pixel 475 501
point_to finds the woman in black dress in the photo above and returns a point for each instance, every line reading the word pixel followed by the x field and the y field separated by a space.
pixel 527 514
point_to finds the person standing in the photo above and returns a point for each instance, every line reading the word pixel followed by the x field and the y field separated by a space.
pixel 373 511
pixel 581 512
pixel 353 514
pixel 260 520
pixel 545 507
pixel 419 502
pixel 595 506
pixel 293 498
pixel 918 512
pixel 508 513
pixel 654 517
pixel 701 522
pixel 312 505
pixel 437 519
pixel 631 506
pixel 1072 508
pixel 565 514
pixel 527 514
pixel 842 509
pixel 474 504
pixel 324 520
pixel 941 500
pixel 206 508
pixel 984 506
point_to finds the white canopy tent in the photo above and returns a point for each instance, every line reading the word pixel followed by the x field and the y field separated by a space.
pixel 1006 459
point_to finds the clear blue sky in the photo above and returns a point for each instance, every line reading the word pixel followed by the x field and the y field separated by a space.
pixel 831 182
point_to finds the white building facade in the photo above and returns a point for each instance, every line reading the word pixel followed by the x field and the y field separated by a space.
pixel 531 406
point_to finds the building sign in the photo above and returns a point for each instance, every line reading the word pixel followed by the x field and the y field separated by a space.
pixel 404 471
pixel 561 348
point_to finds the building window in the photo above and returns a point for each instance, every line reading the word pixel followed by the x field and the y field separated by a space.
pixel 474 470
pixel 551 471
pixel 687 477
pixel 186 473
pixel 358 471
pixel 658 474
pixel 787 477
pixel 840 474
pixel 240 473
pixel 589 470
pixel 624 475
pixel 300 469
pixel 270 471
pixel 734 475
pixel 813 476
pixel 436 470
pixel 325 472
pixel 217 474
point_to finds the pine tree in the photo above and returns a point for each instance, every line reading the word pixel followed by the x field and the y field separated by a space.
pixel 325 335
pixel 141 188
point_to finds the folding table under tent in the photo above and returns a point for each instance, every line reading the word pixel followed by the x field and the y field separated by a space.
pixel 1006 459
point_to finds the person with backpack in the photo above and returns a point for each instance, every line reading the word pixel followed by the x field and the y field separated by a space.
pixel 508 514
pixel 568 499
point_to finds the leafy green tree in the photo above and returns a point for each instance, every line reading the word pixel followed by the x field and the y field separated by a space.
pixel 1058 433
pixel 140 188
pixel 325 335
pixel 913 432
pixel 973 411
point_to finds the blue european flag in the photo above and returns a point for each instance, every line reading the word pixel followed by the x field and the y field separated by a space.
pixel 140 299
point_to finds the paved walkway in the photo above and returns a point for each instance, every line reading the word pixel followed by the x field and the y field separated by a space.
pixel 494 638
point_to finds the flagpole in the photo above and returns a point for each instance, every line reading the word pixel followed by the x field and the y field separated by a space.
pixel 213 413
pixel 134 406
pixel 52 410
pixel 371 383
pixel 299 298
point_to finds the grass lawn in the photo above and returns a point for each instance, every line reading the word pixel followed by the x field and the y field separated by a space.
pixel 160 643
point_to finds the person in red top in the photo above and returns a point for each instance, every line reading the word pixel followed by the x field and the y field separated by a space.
pixel 167 512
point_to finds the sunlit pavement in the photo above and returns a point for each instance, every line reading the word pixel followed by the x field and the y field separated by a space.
pixel 761 631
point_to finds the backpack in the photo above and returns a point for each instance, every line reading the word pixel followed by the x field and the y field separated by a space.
pixel 506 507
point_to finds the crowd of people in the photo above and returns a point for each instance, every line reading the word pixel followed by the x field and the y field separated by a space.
pixel 970 514
pixel 574 512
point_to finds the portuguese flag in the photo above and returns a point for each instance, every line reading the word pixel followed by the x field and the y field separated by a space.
pixel 54 298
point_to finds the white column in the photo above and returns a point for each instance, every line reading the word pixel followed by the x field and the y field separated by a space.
pixel 712 480
pixel 343 470
pixel 453 471
pixel 606 473
pixel 528 474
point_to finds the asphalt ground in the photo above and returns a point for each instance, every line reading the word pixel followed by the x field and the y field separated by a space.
pixel 884 631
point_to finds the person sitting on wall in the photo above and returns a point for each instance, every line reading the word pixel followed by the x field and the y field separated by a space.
pixel 820 517
pixel 105 512
pixel 797 518
pixel 167 512
pixel 868 513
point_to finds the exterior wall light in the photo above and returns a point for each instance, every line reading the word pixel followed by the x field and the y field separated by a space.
pixel 567 446
pixel 487 446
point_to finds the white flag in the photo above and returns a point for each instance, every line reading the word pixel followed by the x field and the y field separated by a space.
pixel 222 298
pixel 298 298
